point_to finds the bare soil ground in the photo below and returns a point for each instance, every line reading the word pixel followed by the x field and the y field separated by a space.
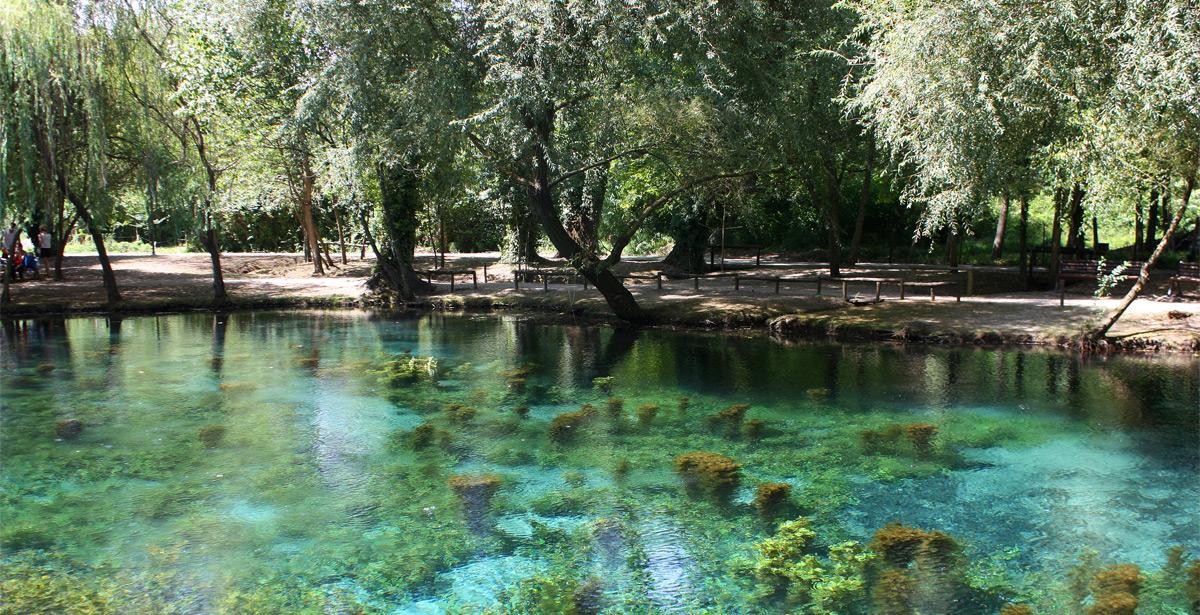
pixel 997 313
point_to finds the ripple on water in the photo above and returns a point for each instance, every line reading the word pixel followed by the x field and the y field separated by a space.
pixel 667 564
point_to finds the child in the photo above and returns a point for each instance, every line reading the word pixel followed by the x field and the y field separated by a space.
pixel 31 265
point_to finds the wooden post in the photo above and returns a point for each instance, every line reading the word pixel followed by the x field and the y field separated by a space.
pixel 485 274
pixel 696 282
pixel 452 282
pixel 516 279
pixel 878 287
pixel 844 295
pixel 970 281
pixel 901 290
pixel 932 294
pixel 757 257
pixel 545 282
pixel 776 286
pixel 658 277
pixel 818 286
pixel 475 279
pixel 737 284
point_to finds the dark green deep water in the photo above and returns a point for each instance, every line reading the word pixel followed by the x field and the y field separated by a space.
pixel 317 499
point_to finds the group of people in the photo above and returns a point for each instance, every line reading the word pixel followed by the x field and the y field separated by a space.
pixel 16 261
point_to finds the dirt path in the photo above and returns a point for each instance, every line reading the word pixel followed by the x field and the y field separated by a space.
pixel 996 314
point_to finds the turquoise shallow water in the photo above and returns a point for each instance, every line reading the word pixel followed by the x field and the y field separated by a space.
pixel 318 496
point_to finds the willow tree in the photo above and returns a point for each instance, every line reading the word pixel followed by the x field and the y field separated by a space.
pixel 172 64
pixel 54 118
pixel 1095 91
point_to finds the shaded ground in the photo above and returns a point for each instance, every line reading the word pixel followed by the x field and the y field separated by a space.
pixel 997 313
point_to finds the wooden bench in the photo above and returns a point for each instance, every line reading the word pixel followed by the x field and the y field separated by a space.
pixel 430 274
pixel 1188 272
pixel 567 275
pixel 656 277
pixel 1088 270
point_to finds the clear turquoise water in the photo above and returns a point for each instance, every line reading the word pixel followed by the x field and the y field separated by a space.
pixel 316 499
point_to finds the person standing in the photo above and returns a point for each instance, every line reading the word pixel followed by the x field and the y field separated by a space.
pixel 11 237
pixel 45 243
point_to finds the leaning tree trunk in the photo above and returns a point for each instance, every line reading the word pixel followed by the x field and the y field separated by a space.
pixel 106 270
pixel 1152 221
pixel 1001 223
pixel 540 123
pixel 1111 318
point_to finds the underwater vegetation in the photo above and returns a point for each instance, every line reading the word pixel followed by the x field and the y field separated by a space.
pixel 409 369
pixel 211 436
pixel 463 487
pixel 68 429
pixel 729 419
pixel 710 474
pixel 646 414
pixel 887 440
pixel 565 427
pixel 770 499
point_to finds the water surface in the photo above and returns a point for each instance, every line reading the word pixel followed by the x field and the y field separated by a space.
pixel 318 497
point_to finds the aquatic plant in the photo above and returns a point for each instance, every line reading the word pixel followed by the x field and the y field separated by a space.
pixel 517 378
pixel 730 419
pixel 893 593
pixel 875 441
pixel 565 427
pixel 709 473
pixel 898 544
pixel 68 429
pixel 779 555
pixel 1191 586
pixel 621 469
pixel 1117 579
pixel 211 435
pixel 818 393
pixel 422 436
pixel 603 383
pixel 682 407
pixel 45 368
pixel 460 413
pixel 1016 609
pixel 475 488
pixel 615 406
pixel 646 414
pixel 573 478
pixel 521 410
pixel 921 436
pixel 1115 590
pixel 409 369
pixel 771 498
pixel 556 592
pixel 588 598
pixel 754 428
pixel 15 537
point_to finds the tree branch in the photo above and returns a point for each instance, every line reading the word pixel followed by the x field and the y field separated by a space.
pixel 639 152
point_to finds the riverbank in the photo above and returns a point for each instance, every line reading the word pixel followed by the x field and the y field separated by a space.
pixel 998 315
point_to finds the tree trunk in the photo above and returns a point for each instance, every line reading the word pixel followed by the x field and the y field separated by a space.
pixel 1023 241
pixel 952 246
pixel 1144 275
pixel 832 205
pixel 520 243
pixel 1138 228
pixel 1060 199
pixel 1075 236
pixel 398 196
pixel 337 218
pixel 312 239
pixel 1152 221
pixel 1001 223
pixel 220 297
pixel 687 256
pixel 106 270
pixel 540 123
pixel 864 201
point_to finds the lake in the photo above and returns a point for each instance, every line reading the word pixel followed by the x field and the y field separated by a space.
pixel 345 462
